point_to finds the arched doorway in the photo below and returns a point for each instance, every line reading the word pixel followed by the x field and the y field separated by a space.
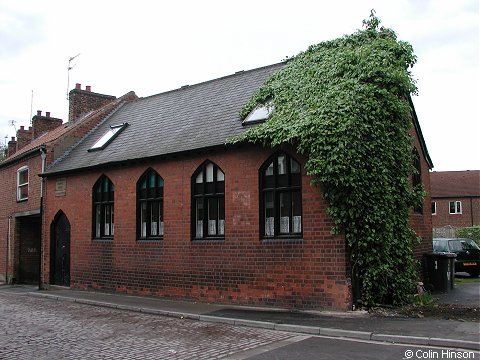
pixel 60 250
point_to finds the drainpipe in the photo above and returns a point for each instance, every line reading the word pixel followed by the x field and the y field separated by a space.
pixel 7 253
pixel 43 153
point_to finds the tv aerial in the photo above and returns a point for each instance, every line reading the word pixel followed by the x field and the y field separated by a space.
pixel 70 67
pixel 12 123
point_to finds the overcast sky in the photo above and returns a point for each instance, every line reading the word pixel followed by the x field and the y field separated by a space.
pixel 154 46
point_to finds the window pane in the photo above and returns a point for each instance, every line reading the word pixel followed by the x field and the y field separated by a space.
pixel 294 166
pixel 285 205
pixel 160 219
pixel 459 207
pixel 153 179
pixel 269 214
pixel 107 220
pixel 212 216
pixel 434 208
pixel 23 192
pixel 98 216
pixel 143 219
pixel 220 175
pixel 282 165
pixel 154 218
pixel 297 212
pixel 199 178
pixel 269 170
pixel 199 218
pixel 209 170
pixel 23 177
pixel 452 207
pixel 221 216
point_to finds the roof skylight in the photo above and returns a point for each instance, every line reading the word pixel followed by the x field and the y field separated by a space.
pixel 261 113
pixel 108 137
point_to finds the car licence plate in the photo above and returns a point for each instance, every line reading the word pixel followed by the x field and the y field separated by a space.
pixel 469 264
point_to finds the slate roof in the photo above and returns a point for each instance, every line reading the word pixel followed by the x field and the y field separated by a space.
pixel 452 184
pixel 193 117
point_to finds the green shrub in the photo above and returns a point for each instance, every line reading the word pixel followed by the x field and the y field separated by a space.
pixel 469 233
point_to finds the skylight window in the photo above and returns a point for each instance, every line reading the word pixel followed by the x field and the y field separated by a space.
pixel 108 137
pixel 261 113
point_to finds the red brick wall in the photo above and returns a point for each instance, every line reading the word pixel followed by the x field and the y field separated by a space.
pixel 241 269
pixel 422 222
pixel 470 215
pixel 9 207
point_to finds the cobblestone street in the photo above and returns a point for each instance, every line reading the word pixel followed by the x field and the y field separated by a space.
pixel 38 328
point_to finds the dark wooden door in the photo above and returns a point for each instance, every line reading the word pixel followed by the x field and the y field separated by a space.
pixel 60 259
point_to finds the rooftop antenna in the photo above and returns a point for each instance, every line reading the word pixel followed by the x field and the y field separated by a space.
pixel 31 108
pixel 70 67
pixel 12 123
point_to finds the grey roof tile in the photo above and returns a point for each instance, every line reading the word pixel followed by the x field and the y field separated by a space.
pixel 189 118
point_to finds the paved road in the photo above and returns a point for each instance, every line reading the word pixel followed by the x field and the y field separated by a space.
pixel 316 348
pixel 37 328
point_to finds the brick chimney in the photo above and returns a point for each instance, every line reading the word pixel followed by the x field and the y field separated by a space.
pixel 24 137
pixel 12 146
pixel 42 124
pixel 84 101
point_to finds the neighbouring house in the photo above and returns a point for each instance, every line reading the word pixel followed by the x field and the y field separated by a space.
pixel 22 189
pixel 455 198
pixel 154 202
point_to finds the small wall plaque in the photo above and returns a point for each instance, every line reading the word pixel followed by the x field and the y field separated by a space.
pixel 60 187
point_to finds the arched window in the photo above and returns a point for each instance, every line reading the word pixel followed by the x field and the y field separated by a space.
pixel 208 202
pixel 103 219
pixel 417 177
pixel 150 206
pixel 280 197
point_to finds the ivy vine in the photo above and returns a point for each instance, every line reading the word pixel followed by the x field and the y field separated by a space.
pixel 344 105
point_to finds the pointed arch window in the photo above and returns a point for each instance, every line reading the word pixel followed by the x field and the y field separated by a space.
pixel 281 197
pixel 103 214
pixel 150 206
pixel 208 202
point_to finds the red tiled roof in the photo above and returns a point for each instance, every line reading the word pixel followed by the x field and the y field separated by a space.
pixel 66 128
pixel 455 183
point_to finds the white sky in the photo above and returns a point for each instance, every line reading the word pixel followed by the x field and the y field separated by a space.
pixel 154 46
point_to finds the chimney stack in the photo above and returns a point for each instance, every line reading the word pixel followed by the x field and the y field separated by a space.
pixel 84 101
pixel 24 137
pixel 12 147
pixel 42 124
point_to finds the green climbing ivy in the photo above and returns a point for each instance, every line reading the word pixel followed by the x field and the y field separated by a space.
pixel 344 105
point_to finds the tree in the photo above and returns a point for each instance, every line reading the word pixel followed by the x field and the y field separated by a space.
pixel 344 105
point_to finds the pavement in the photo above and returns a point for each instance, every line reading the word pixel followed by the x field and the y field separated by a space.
pixel 351 324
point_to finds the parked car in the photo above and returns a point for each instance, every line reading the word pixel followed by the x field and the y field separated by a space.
pixel 468 254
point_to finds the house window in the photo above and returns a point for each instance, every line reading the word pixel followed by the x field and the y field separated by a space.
pixel 417 178
pixel 455 207
pixel 150 206
pixel 22 184
pixel 280 197
pixel 103 215
pixel 208 202
pixel 434 208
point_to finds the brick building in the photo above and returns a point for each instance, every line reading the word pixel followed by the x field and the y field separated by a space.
pixel 153 202
pixel 22 189
pixel 455 198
